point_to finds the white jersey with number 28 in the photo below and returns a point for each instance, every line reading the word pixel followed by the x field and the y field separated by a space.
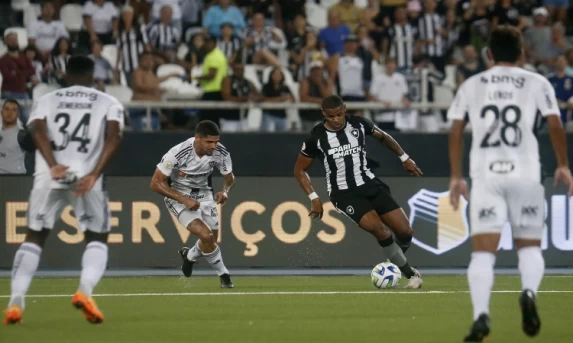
pixel 503 105
pixel 76 118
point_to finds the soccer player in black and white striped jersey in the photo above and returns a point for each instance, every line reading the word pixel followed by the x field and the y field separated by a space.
pixel 353 189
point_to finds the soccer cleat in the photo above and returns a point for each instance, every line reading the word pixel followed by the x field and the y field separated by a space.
pixel 479 330
pixel 187 266
pixel 415 282
pixel 13 315
pixel 530 322
pixel 226 281
pixel 89 307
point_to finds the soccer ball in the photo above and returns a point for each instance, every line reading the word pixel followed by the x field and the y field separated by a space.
pixel 386 275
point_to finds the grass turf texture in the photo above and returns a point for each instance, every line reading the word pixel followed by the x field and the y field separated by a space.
pixel 380 316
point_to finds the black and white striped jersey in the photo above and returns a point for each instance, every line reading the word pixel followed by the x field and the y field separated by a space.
pixel 402 42
pixel 343 153
pixel 428 26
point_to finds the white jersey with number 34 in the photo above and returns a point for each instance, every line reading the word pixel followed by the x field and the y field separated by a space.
pixel 503 105
pixel 76 118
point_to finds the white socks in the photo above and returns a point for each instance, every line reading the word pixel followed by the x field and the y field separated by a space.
pixel 215 259
pixel 480 278
pixel 194 253
pixel 94 262
pixel 531 267
pixel 25 265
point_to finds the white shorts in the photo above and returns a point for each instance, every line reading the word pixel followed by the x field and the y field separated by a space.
pixel 493 203
pixel 207 212
pixel 91 210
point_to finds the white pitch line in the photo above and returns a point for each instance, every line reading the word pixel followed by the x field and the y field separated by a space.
pixel 268 293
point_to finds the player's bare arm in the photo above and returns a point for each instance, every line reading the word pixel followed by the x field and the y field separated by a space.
pixel 457 185
pixel 390 143
pixel 222 196
pixel 559 142
pixel 110 147
pixel 159 184
pixel 300 168
pixel 39 131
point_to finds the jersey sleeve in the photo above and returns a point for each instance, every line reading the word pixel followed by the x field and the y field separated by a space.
pixel 459 106
pixel 368 125
pixel 40 110
pixel 168 162
pixel 225 165
pixel 116 112
pixel 545 99
pixel 310 147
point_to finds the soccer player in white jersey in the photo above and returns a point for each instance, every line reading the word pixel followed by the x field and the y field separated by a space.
pixel 76 131
pixel 502 104
pixel 184 177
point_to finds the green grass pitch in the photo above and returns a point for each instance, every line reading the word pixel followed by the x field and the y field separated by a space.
pixel 283 309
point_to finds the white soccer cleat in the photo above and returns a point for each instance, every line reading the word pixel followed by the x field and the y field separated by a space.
pixel 415 282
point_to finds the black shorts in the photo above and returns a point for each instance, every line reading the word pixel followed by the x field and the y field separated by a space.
pixel 374 195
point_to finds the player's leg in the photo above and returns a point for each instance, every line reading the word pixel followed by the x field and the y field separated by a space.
pixel 527 212
pixel 188 255
pixel 94 219
pixel 211 218
pixel 488 213
pixel 360 210
pixel 44 208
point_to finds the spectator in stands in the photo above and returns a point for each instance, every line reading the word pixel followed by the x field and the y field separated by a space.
pixel 433 35
pixel 413 9
pixel 16 71
pixel 569 57
pixel 193 10
pixel 366 20
pixel 58 61
pixel 557 46
pixel 262 42
pixel 146 87
pixel 428 120
pixel 11 154
pixel 157 12
pixel 141 10
pixel 132 41
pixel 44 32
pixel 332 36
pixel 197 53
pixel 229 43
pixel 164 36
pixel 223 12
pixel 388 8
pixel 214 71
pixel 286 11
pixel 236 88
pixel 557 9
pixel 104 73
pixel 313 89
pixel 100 22
pixel 452 29
pixel 563 85
pixel 401 41
pixel 311 52
pixel 470 66
pixel 348 13
pixel 275 90
pixel 507 13
pixel 390 89
pixel 252 7
pixel 537 35
pixel 476 24
pixel 296 39
pixel 368 53
pixel 39 73
pixel 350 72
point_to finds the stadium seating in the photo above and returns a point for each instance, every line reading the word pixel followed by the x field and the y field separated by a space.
pixel 316 15
pixel 71 15
pixel 122 93
pixel 22 36
pixel 31 14
pixel 109 52
pixel 167 69
pixel 19 5
pixel 42 89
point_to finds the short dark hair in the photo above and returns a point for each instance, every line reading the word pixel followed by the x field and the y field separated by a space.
pixel 11 101
pixel 207 128
pixel 505 44
pixel 418 58
pixel 80 66
pixel 145 53
pixel 332 102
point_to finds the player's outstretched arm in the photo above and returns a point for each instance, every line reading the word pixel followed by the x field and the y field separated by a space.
pixel 559 142
pixel 39 129
pixel 457 184
pixel 159 184
pixel 300 168
pixel 223 196
pixel 390 143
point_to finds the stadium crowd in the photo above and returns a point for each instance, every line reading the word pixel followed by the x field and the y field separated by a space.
pixel 394 52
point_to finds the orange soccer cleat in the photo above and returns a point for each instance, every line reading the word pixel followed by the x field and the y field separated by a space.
pixel 88 305
pixel 13 315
